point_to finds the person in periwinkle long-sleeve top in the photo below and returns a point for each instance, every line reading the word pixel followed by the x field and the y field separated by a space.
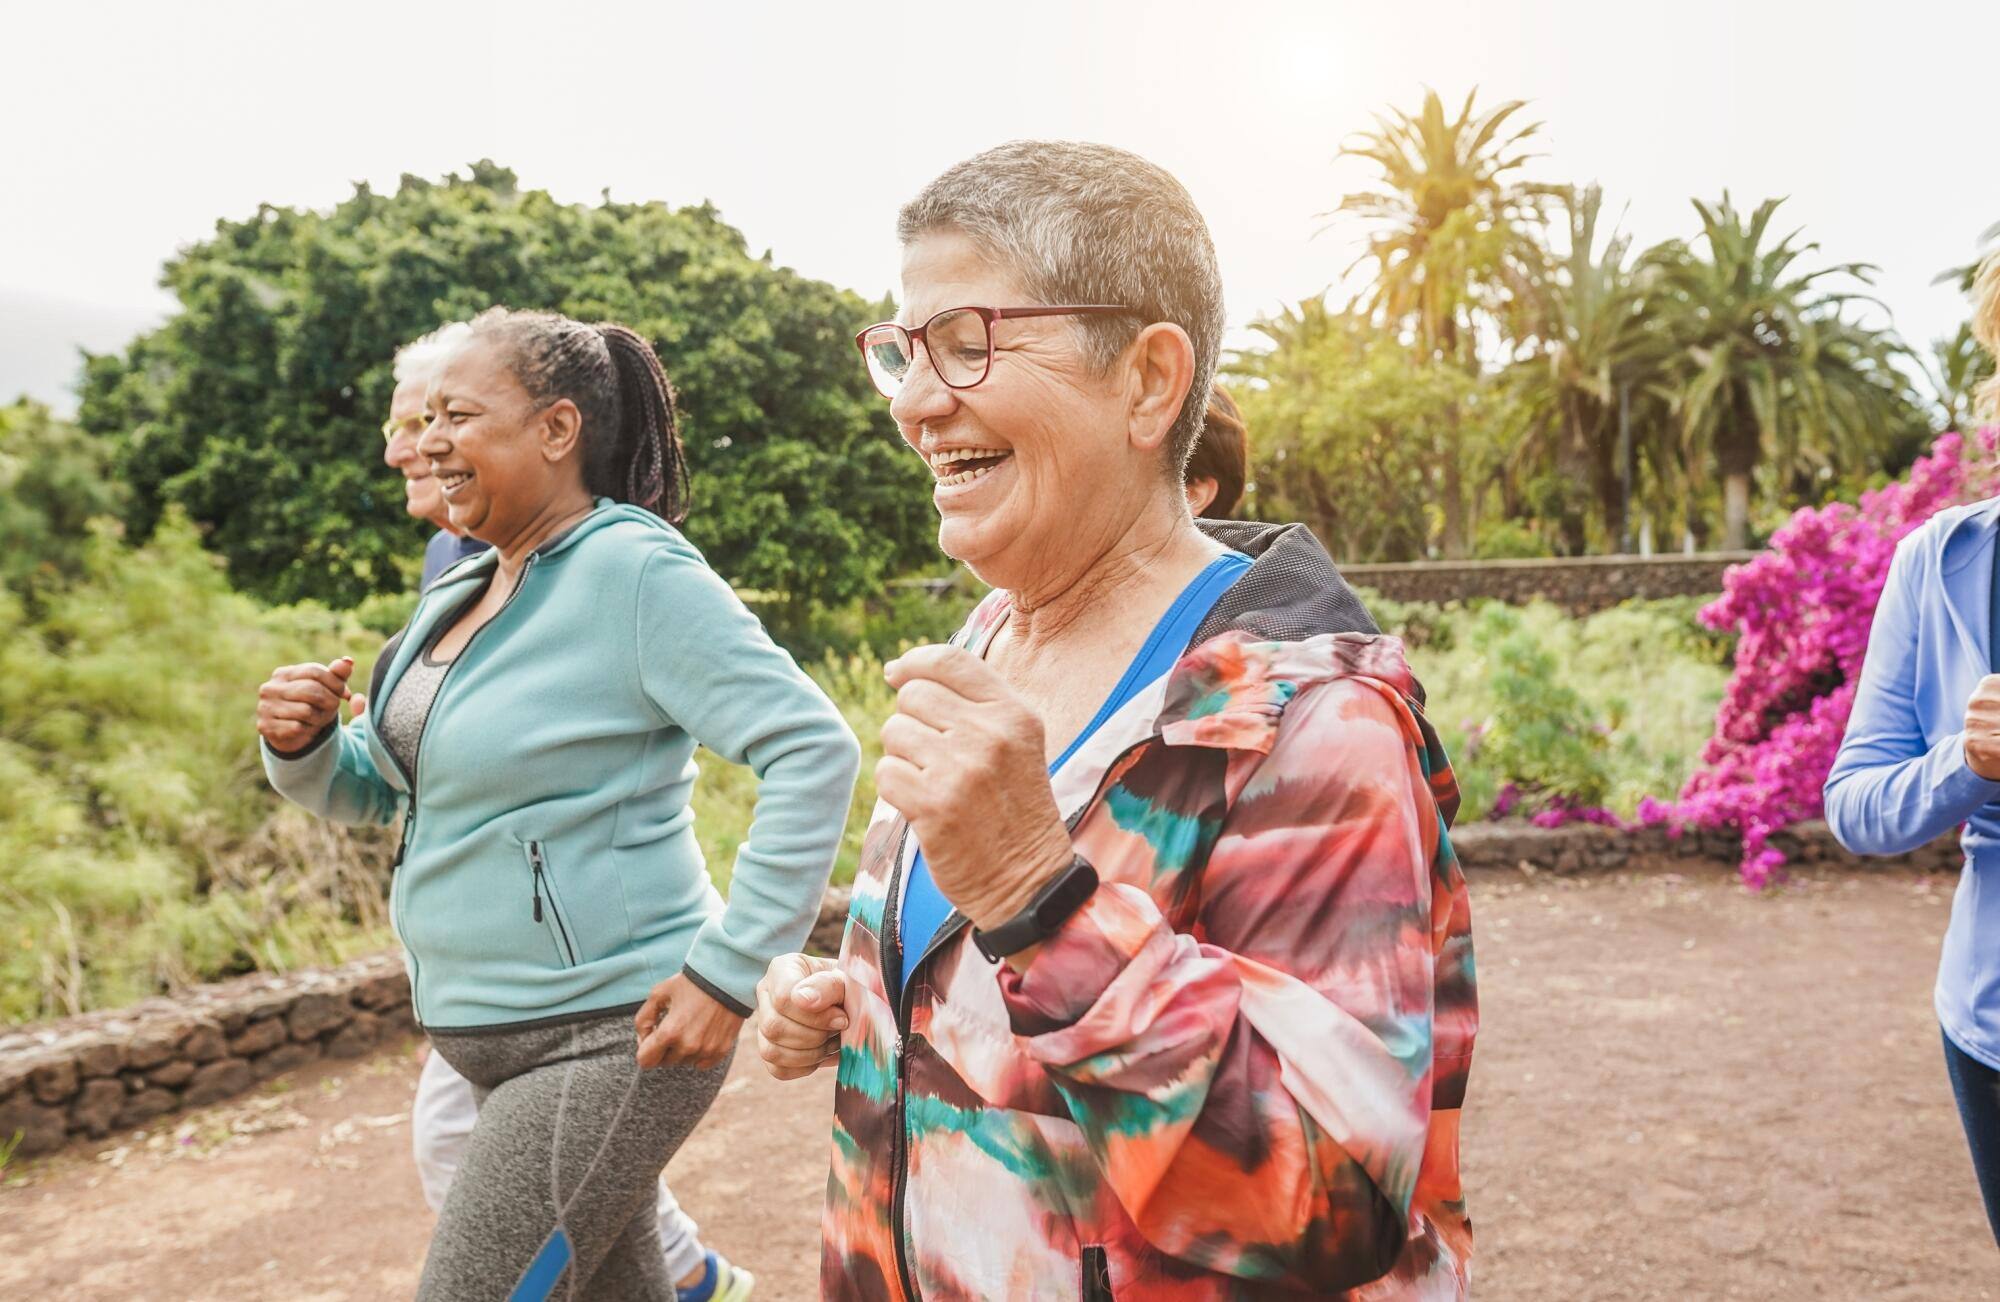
pixel 1922 755
pixel 536 723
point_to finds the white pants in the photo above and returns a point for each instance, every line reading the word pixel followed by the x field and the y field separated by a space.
pixel 441 1120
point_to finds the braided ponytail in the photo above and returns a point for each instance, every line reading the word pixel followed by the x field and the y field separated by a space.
pixel 650 457
pixel 631 429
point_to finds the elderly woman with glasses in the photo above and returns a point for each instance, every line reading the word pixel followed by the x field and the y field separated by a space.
pixel 1158 975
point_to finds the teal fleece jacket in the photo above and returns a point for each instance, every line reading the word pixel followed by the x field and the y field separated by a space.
pixel 549 864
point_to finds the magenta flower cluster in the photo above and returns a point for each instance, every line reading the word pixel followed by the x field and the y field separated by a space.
pixel 1802 611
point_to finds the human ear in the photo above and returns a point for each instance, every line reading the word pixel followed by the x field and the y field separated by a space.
pixel 1161 362
pixel 561 430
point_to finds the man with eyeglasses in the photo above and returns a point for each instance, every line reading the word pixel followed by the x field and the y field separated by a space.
pixel 421 495
pixel 443 1113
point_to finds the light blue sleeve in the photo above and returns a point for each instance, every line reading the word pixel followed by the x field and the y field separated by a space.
pixel 1888 791
pixel 335 778
pixel 708 666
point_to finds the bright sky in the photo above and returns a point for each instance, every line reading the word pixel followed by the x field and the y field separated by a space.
pixel 128 129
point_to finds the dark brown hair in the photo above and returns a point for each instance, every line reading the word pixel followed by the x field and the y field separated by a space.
pixel 1222 453
pixel 631 429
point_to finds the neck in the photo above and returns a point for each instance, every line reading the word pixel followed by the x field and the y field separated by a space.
pixel 1112 584
pixel 550 520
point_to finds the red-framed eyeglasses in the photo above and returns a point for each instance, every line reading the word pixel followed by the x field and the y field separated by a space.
pixel 958 340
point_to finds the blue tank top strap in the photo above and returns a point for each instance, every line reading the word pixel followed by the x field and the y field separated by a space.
pixel 924 907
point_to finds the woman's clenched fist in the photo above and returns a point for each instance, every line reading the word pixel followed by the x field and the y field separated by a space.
pixel 299 702
pixel 1982 729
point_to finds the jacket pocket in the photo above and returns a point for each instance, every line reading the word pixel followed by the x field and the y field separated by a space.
pixel 546 908
pixel 1096 1275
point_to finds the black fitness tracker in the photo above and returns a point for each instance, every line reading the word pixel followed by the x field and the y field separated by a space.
pixel 1052 906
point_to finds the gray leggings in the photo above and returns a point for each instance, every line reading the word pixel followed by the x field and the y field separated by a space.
pixel 558 1193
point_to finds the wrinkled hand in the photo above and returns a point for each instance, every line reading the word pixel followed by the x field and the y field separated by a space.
pixel 298 702
pixel 801 1011
pixel 963 759
pixel 1982 729
pixel 682 1025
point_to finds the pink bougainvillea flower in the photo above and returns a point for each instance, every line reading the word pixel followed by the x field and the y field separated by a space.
pixel 1802 610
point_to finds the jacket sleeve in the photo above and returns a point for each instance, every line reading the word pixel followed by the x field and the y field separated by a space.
pixel 1258 1092
pixel 1888 792
pixel 334 778
pixel 709 667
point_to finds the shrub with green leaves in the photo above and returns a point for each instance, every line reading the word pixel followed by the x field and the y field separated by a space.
pixel 139 845
pixel 1619 702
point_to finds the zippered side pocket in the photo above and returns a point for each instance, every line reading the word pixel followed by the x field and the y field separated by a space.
pixel 542 903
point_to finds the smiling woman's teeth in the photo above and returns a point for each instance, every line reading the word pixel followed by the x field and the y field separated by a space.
pixel 986 459
pixel 450 482
pixel 964 476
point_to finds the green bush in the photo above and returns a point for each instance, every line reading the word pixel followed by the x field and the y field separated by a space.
pixel 1517 694
pixel 1541 736
pixel 1421 625
pixel 53 481
pixel 139 845
pixel 1506 540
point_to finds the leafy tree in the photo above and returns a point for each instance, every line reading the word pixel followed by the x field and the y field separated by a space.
pixel 54 479
pixel 1350 431
pixel 1767 367
pixel 255 408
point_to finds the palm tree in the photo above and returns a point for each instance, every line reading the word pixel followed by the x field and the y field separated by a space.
pixel 1451 239
pixel 1958 366
pixel 1452 223
pixel 1589 351
pixel 1767 368
pixel 1958 363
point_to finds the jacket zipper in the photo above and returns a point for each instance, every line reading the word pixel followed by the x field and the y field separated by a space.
pixel 417 760
pixel 539 863
pixel 892 970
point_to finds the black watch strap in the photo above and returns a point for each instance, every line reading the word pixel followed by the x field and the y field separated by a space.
pixel 1065 893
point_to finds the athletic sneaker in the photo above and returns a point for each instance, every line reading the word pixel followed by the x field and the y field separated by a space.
pixel 720 1282
pixel 732 1283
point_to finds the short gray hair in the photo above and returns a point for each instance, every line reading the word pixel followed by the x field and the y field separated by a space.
pixel 1084 223
pixel 421 356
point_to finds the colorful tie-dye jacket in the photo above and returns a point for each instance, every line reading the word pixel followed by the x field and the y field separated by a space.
pixel 1237 1071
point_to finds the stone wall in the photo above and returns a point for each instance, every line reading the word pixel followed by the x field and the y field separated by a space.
pixel 84 1077
pixel 1586 847
pixel 1579 585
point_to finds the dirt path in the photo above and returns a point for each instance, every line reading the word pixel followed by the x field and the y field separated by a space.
pixel 1681 1092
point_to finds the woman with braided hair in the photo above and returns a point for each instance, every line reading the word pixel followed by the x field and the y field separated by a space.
pixel 535 724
